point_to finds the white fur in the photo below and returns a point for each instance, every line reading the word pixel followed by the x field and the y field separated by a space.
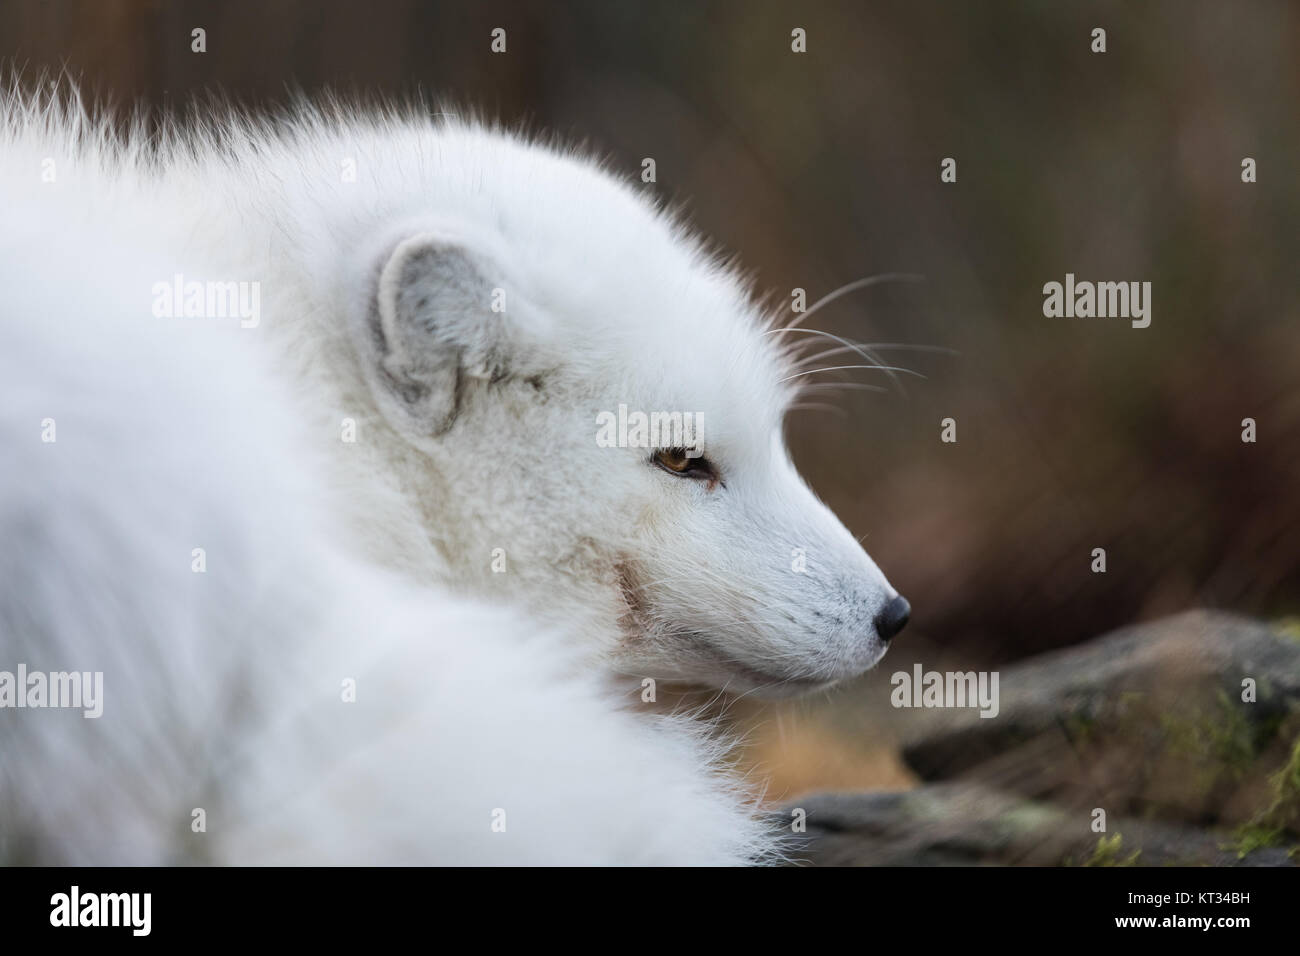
pixel 372 561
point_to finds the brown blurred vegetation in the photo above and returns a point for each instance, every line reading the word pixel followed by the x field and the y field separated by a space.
pixel 822 168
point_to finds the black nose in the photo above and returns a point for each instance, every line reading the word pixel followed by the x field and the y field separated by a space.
pixel 893 617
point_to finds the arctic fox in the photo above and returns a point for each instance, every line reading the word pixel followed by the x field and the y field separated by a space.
pixel 300 442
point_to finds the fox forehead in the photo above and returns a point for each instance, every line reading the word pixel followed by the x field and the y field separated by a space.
pixel 639 306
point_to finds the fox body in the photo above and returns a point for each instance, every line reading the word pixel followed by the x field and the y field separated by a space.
pixel 362 579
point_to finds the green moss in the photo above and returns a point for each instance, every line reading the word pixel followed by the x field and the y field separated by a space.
pixel 1288 628
pixel 1107 853
pixel 1026 819
pixel 1285 808
pixel 1280 821
pixel 1252 836
pixel 1225 736
pixel 1080 727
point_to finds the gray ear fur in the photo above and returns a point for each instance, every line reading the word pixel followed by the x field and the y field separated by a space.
pixel 432 327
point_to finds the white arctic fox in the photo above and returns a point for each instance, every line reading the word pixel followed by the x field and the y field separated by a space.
pixel 299 423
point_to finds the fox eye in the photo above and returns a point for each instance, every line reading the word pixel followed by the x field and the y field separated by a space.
pixel 678 462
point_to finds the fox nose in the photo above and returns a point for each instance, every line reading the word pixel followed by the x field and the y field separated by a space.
pixel 893 617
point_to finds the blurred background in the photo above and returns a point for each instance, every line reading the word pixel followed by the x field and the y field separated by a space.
pixel 821 168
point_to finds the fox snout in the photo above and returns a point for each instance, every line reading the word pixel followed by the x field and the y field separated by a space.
pixel 893 617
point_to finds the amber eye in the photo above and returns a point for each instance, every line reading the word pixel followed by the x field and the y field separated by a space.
pixel 674 459
pixel 678 462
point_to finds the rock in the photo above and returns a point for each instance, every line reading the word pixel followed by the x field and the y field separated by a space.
pixel 1077 690
pixel 959 824
pixel 1145 729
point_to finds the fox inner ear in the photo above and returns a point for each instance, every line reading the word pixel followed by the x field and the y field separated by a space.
pixel 432 327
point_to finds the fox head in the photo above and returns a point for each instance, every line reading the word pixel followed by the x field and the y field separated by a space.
pixel 598 407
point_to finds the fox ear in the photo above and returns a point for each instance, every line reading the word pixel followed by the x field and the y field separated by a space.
pixel 438 322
